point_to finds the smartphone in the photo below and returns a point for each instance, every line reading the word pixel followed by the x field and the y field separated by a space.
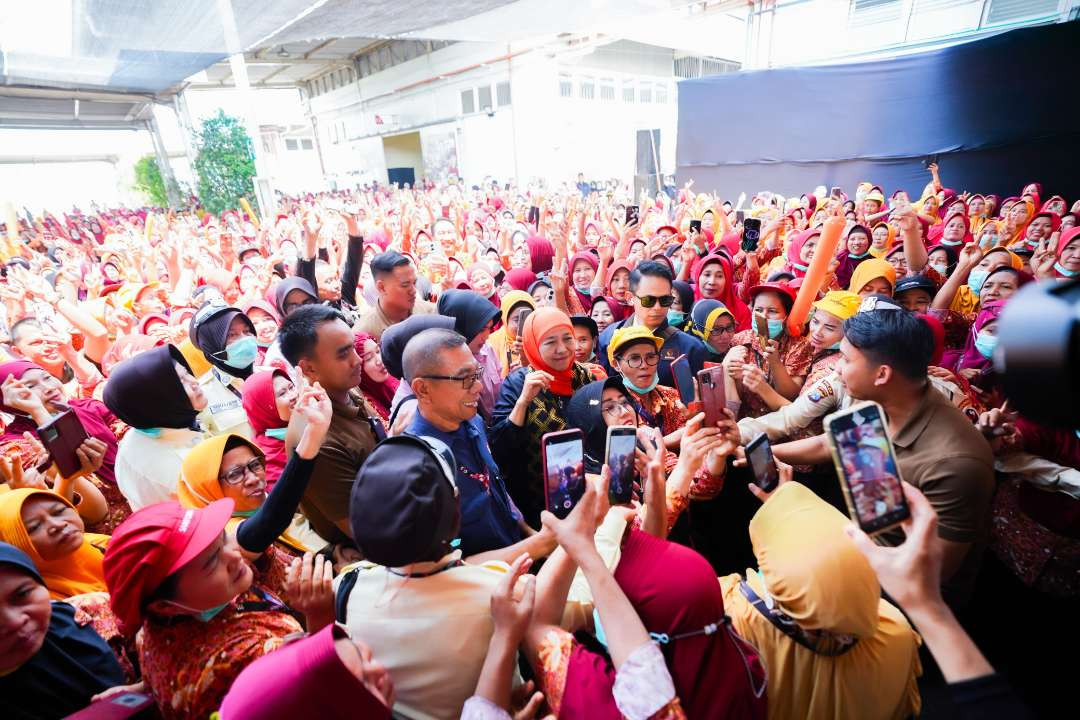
pixel 761 327
pixel 930 160
pixel 684 379
pixel 695 226
pixel 621 443
pixel 740 217
pixel 564 470
pixel 522 317
pixel 711 391
pixel 632 212
pixel 834 191
pixel 61 437
pixel 534 215
pixel 116 707
pixel 760 459
pixel 751 235
pixel 866 464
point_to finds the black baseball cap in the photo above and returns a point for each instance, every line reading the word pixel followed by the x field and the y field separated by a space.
pixel 404 503
pixel 915 282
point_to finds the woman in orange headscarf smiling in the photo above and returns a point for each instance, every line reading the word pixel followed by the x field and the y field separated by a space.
pixel 532 402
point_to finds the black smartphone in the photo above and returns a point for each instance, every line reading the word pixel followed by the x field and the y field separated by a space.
pixel 760 459
pixel 740 216
pixel 62 436
pixel 751 235
pixel 522 317
pixel 564 470
pixel 684 379
pixel 632 214
pixel 930 160
pixel 866 464
pixel 695 226
pixel 621 443
pixel 534 215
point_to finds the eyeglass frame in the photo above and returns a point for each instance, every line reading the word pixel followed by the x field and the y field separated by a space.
pixel 244 469
pixel 648 301
pixel 617 405
pixel 476 377
pixel 644 360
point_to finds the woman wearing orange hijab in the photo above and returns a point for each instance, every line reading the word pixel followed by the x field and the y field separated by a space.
pixel 47 527
pixel 532 402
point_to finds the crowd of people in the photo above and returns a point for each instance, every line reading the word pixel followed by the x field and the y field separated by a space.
pixel 310 477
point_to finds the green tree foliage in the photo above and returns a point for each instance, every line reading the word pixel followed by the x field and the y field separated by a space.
pixel 225 163
pixel 149 182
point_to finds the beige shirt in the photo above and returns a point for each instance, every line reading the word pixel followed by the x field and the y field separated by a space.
pixel 374 321
pixel 431 633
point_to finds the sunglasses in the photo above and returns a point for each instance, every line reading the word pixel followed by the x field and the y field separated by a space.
pixel 647 301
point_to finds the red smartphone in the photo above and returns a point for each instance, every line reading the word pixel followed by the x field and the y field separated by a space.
pixel 564 470
pixel 61 437
pixel 118 707
pixel 711 390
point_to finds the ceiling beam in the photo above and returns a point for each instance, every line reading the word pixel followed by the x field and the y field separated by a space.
pixel 319 47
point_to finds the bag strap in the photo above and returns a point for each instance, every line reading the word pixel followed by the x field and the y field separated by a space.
pixel 788 626
pixel 341 598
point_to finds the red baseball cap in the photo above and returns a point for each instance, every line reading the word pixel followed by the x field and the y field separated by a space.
pixel 780 287
pixel 152 544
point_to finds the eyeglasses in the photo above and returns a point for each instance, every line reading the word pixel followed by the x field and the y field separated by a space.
pixel 616 407
pixel 467 381
pixel 636 361
pixel 235 475
pixel 722 330
pixel 647 301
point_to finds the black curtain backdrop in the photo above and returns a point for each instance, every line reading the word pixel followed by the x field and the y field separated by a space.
pixel 999 113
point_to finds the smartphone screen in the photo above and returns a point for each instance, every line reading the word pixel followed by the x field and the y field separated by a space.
pixel 867 467
pixel 760 458
pixel 632 214
pixel 695 226
pixel 621 442
pixel 684 379
pixel 740 216
pixel 564 471
pixel 751 234
pixel 522 317
pixel 834 191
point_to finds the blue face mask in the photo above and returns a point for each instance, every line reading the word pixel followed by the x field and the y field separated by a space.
pixel 149 432
pixel 853 256
pixel 276 433
pixel 985 344
pixel 584 290
pixel 676 317
pixel 835 345
pixel 942 269
pixel 776 328
pixel 642 391
pixel 202 615
pixel 1065 271
pixel 242 353
pixel 976 280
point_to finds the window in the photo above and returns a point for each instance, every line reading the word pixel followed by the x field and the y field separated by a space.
pixel 468 103
pixel 307 144
pixel 587 88
pixel 661 93
pixel 290 143
pixel 344 135
pixel 566 88
pixel 645 93
pixel 607 89
pixel 502 94
pixel 628 93
pixel 484 98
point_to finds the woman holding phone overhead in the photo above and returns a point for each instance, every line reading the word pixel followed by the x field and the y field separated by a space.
pixel 532 402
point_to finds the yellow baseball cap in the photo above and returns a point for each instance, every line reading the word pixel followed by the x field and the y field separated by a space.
pixel 626 335
pixel 841 303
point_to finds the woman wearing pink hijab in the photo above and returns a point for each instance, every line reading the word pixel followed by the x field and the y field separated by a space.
pixel 376 384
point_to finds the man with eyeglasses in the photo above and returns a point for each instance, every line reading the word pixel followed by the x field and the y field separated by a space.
pixel 445 377
pixel 650 296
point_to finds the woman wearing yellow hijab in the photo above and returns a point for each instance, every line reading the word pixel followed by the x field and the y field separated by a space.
pixel 45 526
pixel 882 239
pixel 504 340
pixel 844 650
pixel 873 276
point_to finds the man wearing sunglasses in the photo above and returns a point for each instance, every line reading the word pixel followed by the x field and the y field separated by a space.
pixel 650 296
pixel 446 379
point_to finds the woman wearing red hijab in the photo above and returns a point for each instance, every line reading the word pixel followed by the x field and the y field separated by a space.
pixel 268 398
pixel 532 402
pixel 376 384
pixel 712 278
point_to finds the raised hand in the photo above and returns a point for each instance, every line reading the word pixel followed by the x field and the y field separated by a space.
pixel 309 588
